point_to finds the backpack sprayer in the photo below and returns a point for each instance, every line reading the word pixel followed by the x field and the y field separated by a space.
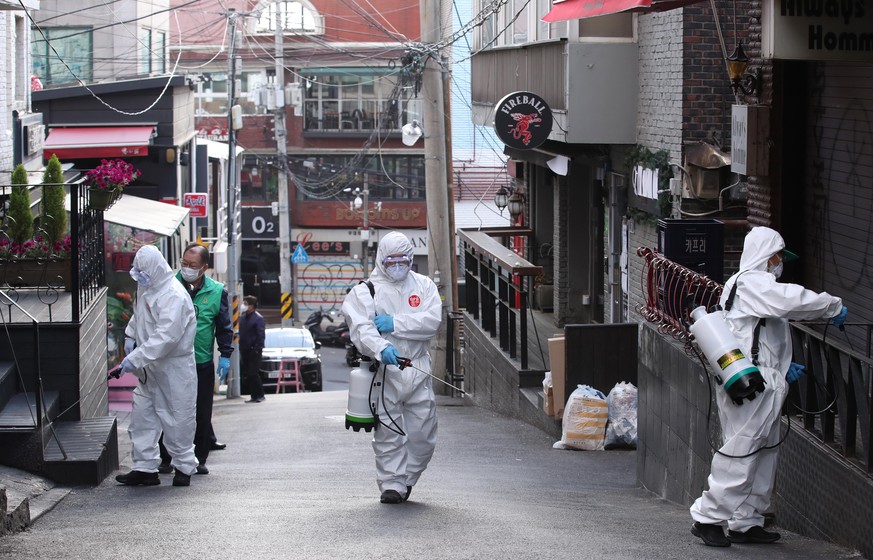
pixel 738 375
pixel 363 403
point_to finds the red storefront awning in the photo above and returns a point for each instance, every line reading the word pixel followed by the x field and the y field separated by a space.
pixel 578 9
pixel 98 142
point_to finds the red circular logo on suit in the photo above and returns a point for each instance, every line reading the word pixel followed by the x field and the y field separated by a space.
pixel 414 301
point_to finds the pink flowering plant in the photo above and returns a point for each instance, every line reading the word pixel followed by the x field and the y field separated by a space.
pixel 37 248
pixel 112 175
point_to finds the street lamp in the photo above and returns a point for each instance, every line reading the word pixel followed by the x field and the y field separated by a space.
pixel 501 198
pixel 748 84
pixel 516 205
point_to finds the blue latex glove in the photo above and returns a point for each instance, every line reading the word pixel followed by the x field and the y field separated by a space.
pixel 384 323
pixel 389 356
pixel 126 366
pixel 223 368
pixel 841 318
pixel 795 372
pixel 129 345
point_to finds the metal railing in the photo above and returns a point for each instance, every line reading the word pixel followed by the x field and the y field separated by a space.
pixel 87 267
pixel 498 281
pixel 834 398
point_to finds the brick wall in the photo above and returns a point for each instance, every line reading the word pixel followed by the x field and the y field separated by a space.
pixel 640 234
pixel 707 97
pixel 7 56
pixel 660 99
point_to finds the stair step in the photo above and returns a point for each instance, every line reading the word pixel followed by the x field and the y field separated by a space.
pixel 91 446
pixel 8 382
pixel 19 414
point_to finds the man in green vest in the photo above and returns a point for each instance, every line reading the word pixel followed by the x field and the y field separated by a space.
pixel 213 325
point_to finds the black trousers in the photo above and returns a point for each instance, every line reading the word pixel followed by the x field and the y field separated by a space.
pixel 250 364
pixel 203 434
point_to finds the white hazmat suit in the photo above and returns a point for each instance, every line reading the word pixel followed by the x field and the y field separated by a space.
pixel 740 489
pixel 415 305
pixel 163 325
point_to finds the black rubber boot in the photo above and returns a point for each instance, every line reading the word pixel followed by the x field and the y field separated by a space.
pixel 755 535
pixel 710 534
pixel 181 479
pixel 139 478
pixel 408 493
pixel 391 497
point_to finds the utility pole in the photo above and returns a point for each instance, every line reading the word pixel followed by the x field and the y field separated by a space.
pixel 233 388
pixel 439 249
pixel 282 152
pixel 365 233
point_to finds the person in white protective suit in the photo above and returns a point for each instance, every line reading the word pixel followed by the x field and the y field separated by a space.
pixel 399 319
pixel 740 487
pixel 163 326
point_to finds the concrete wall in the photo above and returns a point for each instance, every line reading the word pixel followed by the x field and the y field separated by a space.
pixel 491 379
pixel 817 493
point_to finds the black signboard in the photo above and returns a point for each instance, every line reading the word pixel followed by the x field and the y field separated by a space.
pixel 258 222
pixel 522 120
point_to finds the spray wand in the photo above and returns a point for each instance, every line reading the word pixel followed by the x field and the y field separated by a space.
pixel 403 363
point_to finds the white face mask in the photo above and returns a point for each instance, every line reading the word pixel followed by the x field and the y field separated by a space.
pixel 776 270
pixel 244 308
pixel 397 272
pixel 190 274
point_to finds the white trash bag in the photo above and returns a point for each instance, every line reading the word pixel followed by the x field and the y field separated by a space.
pixel 622 428
pixel 585 417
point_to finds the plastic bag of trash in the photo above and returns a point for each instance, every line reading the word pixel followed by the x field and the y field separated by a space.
pixel 585 417
pixel 622 428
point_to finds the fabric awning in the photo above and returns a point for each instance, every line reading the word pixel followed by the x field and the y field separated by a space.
pixel 147 215
pixel 578 9
pixel 144 214
pixel 98 142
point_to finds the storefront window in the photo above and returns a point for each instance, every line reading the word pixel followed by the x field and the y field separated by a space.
pixel 354 100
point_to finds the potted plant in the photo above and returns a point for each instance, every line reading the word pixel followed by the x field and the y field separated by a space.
pixel 53 218
pixel 107 181
pixel 20 216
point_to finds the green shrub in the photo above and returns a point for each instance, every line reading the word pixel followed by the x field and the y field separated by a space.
pixel 54 217
pixel 20 215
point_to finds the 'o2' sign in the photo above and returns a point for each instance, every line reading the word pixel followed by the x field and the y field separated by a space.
pixel 258 222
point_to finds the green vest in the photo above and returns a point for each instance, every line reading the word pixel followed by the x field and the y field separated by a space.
pixel 207 302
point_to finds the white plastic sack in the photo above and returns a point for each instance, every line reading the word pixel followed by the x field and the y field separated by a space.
pixel 585 417
pixel 622 428
pixel 547 382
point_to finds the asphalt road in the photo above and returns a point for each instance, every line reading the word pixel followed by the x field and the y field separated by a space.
pixel 293 483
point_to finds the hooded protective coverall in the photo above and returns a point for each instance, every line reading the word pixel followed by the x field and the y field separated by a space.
pixel 163 325
pixel 415 305
pixel 740 489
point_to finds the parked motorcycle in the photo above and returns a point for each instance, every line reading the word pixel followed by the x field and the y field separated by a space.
pixel 353 356
pixel 329 336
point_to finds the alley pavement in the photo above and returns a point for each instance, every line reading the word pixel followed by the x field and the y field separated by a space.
pixel 293 483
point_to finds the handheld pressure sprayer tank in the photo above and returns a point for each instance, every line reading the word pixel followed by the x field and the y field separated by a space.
pixel 731 368
pixel 360 412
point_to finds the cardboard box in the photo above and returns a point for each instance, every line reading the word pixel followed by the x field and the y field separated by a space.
pixel 556 360
pixel 549 400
